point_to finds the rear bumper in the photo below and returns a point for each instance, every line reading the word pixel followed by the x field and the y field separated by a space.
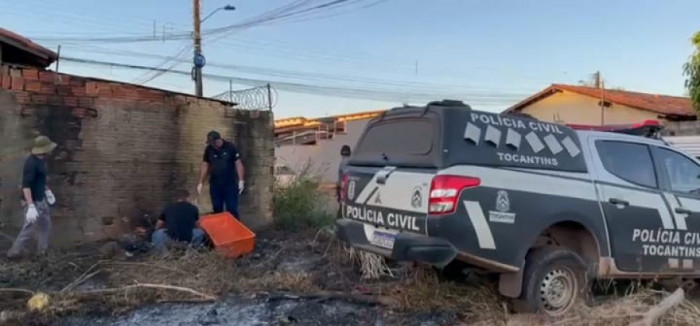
pixel 407 246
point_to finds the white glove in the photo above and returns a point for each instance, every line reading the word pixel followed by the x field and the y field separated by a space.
pixel 199 188
pixel 241 185
pixel 32 214
pixel 50 198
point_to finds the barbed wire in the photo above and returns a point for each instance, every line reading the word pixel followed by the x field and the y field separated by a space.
pixel 256 98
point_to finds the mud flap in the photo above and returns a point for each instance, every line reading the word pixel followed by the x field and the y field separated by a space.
pixel 511 284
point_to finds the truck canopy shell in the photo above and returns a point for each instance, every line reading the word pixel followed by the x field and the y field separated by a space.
pixel 440 136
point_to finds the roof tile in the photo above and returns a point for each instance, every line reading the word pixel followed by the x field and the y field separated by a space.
pixel 663 104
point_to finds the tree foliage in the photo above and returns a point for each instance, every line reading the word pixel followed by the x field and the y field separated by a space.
pixel 692 72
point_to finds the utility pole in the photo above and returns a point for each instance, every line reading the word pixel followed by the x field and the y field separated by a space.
pixel 58 57
pixel 596 79
pixel 199 60
pixel 198 57
pixel 601 85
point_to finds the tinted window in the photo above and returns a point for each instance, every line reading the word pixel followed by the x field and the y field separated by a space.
pixel 399 137
pixel 628 161
pixel 682 172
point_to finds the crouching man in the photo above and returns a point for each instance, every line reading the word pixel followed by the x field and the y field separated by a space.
pixel 179 222
pixel 36 198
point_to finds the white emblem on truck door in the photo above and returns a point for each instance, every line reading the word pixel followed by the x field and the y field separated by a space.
pixel 502 201
pixel 501 215
pixel 378 198
pixel 417 198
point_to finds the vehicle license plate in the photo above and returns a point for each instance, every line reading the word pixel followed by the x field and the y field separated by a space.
pixel 383 239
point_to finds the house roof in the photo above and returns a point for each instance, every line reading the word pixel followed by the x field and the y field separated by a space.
pixel 38 55
pixel 301 122
pixel 662 104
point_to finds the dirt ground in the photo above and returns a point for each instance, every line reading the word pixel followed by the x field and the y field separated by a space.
pixel 304 278
pixel 292 278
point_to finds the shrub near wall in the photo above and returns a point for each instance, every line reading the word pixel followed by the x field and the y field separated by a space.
pixel 301 204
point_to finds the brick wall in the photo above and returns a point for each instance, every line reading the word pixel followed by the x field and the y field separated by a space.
pixel 681 128
pixel 122 150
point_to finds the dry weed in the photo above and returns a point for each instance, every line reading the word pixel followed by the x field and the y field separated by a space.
pixel 422 289
pixel 372 266
pixel 294 282
pixel 191 277
pixel 418 288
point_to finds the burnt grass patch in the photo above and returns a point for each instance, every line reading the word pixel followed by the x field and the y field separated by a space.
pixel 303 272
pixel 300 278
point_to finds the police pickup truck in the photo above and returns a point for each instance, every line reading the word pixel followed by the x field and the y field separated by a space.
pixel 548 207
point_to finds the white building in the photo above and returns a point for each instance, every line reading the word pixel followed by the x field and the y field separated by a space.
pixel 314 144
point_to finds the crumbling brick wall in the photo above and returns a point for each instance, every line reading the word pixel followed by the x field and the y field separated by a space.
pixel 681 128
pixel 122 150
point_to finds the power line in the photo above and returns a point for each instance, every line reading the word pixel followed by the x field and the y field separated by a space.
pixel 54 11
pixel 287 11
pixel 374 93
pixel 309 75
pixel 301 19
pixel 298 75
pixel 176 60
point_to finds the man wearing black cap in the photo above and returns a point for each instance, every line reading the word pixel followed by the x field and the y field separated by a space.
pixel 222 163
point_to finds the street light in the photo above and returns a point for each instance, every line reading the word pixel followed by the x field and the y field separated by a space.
pixel 226 7
pixel 198 59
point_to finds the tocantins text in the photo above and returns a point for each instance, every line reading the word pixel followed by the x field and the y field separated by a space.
pixel 667 243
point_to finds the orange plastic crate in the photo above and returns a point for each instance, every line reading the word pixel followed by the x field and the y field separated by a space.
pixel 229 236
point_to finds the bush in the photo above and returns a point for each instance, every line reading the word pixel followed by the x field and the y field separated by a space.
pixel 301 204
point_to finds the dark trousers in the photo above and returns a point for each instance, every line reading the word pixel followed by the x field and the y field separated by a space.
pixel 224 194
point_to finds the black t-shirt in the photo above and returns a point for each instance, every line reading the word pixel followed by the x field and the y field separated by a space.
pixel 34 177
pixel 222 163
pixel 180 218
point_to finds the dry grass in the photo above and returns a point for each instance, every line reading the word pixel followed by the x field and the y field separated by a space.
pixel 620 311
pixel 420 288
pixel 415 288
pixel 192 277
pixel 372 266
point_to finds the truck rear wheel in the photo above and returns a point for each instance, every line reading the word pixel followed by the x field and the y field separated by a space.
pixel 555 280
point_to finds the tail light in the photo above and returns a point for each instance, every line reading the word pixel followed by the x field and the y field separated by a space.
pixel 445 191
pixel 344 186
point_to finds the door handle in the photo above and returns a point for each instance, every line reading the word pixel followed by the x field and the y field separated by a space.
pixel 617 201
pixel 681 210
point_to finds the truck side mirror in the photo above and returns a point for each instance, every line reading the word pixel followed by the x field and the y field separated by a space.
pixel 345 151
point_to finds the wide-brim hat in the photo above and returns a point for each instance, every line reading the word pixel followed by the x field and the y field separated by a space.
pixel 43 145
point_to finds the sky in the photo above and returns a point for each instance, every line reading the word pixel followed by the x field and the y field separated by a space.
pixel 375 54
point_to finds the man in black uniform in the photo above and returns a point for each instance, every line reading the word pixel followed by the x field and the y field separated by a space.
pixel 36 198
pixel 222 163
pixel 179 222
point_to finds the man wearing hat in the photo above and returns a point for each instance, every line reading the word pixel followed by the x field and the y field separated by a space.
pixel 222 163
pixel 36 200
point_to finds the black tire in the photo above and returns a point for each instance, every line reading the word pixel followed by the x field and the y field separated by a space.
pixel 554 281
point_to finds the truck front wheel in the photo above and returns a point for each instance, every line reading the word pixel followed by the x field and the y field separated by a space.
pixel 555 280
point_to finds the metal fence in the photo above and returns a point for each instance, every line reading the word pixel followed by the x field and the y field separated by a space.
pixel 256 98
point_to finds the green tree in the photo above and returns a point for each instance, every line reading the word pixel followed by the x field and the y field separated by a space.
pixel 692 72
